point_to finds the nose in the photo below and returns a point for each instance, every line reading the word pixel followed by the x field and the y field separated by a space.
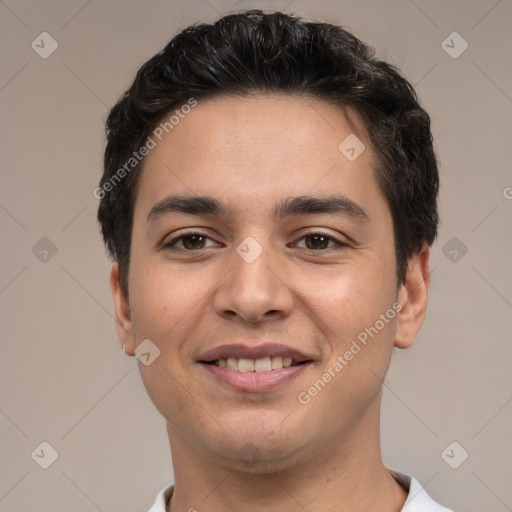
pixel 255 291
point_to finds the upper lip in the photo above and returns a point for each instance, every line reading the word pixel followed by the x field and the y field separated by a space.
pixel 239 351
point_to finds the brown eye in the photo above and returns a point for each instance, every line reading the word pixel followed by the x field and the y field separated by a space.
pixel 193 241
pixel 321 241
pixel 189 242
pixel 317 241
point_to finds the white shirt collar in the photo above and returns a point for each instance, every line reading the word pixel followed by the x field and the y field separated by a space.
pixel 417 500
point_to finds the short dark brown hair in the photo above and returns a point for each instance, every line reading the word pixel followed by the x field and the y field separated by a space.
pixel 257 52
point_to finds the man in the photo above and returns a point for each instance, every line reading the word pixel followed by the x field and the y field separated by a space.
pixel 269 199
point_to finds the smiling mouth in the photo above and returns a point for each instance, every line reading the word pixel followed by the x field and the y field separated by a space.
pixel 264 364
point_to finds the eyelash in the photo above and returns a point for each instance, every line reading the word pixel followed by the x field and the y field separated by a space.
pixel 338 244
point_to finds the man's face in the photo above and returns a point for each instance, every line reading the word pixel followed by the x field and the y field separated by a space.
pixel 251 280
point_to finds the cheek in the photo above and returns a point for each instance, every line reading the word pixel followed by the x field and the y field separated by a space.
pixel 355 312
pixel 361 347
pixel 352 300
pixel 164 304
pixel 163 299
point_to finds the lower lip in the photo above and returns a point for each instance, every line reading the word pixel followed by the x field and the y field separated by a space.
pixel 254 382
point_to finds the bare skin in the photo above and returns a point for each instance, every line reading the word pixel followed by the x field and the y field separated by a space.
pixel 302 292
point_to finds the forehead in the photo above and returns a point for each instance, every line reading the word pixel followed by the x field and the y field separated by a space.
pixel 249 151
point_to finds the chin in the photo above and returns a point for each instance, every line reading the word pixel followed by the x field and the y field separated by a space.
pixel 257 459
pixel 260 452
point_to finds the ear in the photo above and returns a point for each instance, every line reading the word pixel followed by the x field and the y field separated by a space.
pixel 413 296
pixel 122 312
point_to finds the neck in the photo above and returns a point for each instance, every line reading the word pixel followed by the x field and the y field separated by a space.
pixel 342 475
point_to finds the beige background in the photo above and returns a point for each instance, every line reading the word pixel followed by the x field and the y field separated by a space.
pixel 64 379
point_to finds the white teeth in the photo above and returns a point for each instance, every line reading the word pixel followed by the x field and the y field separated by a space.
pixel 262 365
pixel 265 364
pixel 232 363
pixel 277 362
pixel 246 365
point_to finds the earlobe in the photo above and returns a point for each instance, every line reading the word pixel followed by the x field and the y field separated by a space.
pixel 413 297
pixel 122 312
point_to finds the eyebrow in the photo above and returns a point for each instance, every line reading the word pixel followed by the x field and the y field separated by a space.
pixel 301 205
